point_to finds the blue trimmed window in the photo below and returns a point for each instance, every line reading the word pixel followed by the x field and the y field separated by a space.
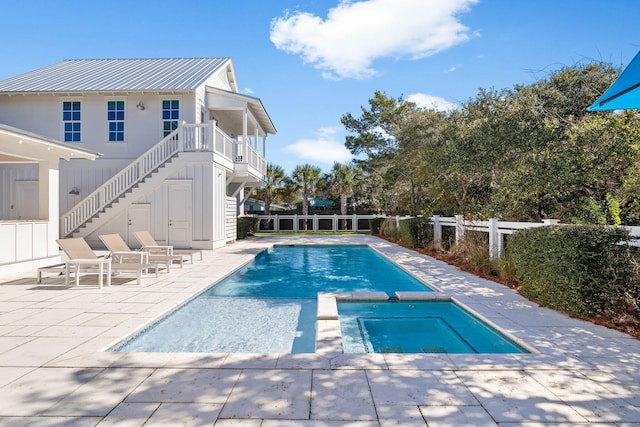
pixel 71 120
pixel 115 120
pixel 170 116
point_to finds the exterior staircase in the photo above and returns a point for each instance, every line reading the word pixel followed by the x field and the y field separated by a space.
pixel 154 166
pixel 111 197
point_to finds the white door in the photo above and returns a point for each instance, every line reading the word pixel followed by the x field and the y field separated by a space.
pixel 138 219
pixel 27 199
pixel 180 213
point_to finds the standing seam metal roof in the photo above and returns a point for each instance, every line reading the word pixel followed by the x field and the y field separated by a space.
pixel 88 75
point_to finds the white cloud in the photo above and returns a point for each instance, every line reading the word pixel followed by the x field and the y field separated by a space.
pixel 452 68
pixel 431 102
pixel 325 148
pixel 248 91
pixel 356 33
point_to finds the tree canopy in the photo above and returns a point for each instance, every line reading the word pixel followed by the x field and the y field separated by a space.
pixel 525 153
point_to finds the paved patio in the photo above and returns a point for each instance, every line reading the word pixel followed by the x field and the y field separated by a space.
pixel 54 370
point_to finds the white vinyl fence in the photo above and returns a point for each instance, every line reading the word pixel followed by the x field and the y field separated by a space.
pixel 315 222
pixel 496 229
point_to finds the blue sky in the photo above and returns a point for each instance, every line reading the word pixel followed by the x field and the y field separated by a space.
pixel 311 61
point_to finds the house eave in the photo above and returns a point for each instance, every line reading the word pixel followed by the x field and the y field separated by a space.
pixel 20 146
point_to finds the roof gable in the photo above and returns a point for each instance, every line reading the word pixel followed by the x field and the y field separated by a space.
pixel 90 75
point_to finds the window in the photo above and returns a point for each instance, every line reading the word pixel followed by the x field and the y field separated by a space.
pixel 71 120
pixel 115 120
pixel 170 116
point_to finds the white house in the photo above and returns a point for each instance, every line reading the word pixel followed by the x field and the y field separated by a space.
pixel 29 213
pixel 180 145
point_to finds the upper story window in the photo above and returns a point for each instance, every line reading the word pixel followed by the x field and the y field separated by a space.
pixel 71 120
pixel 115 120
pixel 170 116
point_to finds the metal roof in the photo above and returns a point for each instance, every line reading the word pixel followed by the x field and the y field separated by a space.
pixel 89 75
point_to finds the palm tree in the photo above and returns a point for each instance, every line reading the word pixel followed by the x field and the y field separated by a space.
pixel 276 181
pixel 306 177
pixel 344 179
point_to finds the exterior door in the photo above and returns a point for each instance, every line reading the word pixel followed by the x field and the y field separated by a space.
pixel 180 213
pixel 138 219
pixel 27 199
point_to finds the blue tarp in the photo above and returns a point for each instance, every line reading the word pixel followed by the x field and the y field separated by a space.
pixel 624 93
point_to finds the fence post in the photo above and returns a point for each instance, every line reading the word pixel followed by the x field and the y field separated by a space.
pixel 276 224
pixel 459 228
pixel 295 223
pixel 494 239
pixel 354 222
pixel 315 224
pixel 437 233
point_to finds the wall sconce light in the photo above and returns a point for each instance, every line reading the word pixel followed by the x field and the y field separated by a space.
pixel 75 191
pixel 140 106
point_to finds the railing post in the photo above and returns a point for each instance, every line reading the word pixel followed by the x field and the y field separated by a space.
pixel 276 224
pixel 355 222
pixel 459 228
pixel 101 198
pixel 437 233
pixel 181 135
pixel 295 223
pixel 494 239
pixel 315 224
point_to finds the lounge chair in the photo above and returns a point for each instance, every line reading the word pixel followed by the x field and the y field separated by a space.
pixel 149 244
pixel 120 252
pixel 82 258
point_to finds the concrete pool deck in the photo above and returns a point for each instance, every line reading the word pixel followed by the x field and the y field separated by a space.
pixel 54 370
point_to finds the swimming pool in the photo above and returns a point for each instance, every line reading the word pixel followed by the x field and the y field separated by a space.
pixel 270 305
pixel 302 271
pixel 418 327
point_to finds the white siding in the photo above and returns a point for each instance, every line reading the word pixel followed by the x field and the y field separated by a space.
pixel 232 220
pixel 143 129
pixel 9 174
pixel 209 208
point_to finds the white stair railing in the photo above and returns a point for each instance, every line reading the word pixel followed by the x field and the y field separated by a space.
pixel 120 183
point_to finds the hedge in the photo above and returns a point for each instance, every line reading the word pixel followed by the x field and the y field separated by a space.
pixel 416 232
pixel 246 225
pixel 375 224
pixel 579 269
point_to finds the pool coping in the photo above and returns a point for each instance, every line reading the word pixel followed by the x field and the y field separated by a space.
pixel 329 334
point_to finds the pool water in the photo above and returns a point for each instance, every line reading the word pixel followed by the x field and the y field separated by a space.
pixel 303 271
pixel 417 327
pixel 270 305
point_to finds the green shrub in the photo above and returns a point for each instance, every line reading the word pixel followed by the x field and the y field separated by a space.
pixel 246 225
pixel 375 224
pixel 582 270
pixel 416 232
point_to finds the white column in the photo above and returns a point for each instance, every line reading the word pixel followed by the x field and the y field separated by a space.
pixel 49 201
pixel 264 146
